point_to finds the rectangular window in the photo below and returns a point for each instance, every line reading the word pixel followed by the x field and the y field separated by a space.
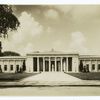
pixel 98 66
pixel 93 66
pixel 5 67
pixel 11 67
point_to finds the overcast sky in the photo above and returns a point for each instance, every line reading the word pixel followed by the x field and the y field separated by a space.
pixel 70 28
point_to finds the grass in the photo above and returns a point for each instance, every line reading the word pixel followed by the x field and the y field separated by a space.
pixel 86 76
pixel 14 77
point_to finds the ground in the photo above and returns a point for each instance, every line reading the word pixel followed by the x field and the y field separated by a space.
pixel 16 87
pixel 51 91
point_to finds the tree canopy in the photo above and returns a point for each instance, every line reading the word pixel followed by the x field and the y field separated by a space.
pixel 10 53
pixel 8 21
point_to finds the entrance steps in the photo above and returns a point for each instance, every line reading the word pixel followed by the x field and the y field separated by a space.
pixel 51 78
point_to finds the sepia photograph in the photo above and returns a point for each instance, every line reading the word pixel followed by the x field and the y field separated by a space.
pixel 49 50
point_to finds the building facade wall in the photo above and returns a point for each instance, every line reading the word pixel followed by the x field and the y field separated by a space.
pixel 57 63
pixel 75 64
pixel 92 62
pixel 29 64
pixel 50 61
pixel 10 65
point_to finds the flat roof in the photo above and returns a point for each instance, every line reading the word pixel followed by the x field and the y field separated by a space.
pixel 13 57
pixel 52 52
pixel 89 56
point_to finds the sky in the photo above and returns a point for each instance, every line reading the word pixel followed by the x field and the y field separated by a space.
pixel 69 28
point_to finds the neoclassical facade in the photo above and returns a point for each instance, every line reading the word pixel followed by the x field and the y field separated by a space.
pixel 52 61
pixel 49 61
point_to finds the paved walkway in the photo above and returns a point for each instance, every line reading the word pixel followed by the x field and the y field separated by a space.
pixel 52 77
pixel 56 78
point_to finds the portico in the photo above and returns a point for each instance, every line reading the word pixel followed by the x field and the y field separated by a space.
pixel 52 61
pixel 51 64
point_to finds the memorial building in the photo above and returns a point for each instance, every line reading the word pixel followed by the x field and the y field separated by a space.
pixel 49 61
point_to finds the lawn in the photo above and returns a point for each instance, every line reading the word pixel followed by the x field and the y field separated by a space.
pixel 14 76
pixel 86 76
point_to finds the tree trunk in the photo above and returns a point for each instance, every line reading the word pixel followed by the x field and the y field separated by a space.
pixel 1 54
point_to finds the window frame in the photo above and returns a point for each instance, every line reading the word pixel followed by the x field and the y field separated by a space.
pixel 11 67
pixel 98 66
pixel 93 66
pixel 5 67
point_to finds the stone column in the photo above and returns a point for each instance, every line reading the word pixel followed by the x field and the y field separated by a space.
pixel 55 64
pixel 8 66
pixel 15 66
pixel 67 64
pixel 37 64
pixel 90 67
pixel 64 65
pixel 43 64
pixel 61 63
pixel 96 66
pixel 49 65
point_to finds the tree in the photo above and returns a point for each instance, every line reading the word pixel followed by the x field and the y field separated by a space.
pixel 8 21
pixel 10 53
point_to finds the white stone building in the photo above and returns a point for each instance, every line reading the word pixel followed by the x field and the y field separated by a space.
pixel 11 64
pixel 51 61
pixel 91 61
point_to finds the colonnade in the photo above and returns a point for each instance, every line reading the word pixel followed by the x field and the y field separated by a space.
pixel 51 64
